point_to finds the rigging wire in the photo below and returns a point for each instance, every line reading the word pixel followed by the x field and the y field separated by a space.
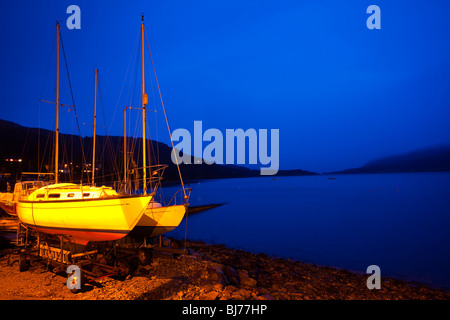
pixel 121 89
pixel 107 141
pixel 170 135
pixel 120 95
pixel 74 108
pixel 39 162
pixel 165 116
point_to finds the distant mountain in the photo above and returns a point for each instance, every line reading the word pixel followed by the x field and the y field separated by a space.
pixel 29 144
pixel 423 160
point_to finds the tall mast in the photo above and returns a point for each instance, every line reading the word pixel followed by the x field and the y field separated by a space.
pixel 95 126
pixel 144 102
pixel 125 147
pixel 57 105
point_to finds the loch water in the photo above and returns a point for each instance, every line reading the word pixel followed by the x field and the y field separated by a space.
pixel 398 221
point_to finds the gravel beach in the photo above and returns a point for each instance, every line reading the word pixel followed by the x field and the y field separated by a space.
pixel 211 272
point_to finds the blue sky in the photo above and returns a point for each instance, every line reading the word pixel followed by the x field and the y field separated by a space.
pixel 339 93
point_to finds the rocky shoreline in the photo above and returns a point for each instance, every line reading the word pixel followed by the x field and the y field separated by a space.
pixel 211 272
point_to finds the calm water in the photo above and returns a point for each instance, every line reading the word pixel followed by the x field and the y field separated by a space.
pixel 400 222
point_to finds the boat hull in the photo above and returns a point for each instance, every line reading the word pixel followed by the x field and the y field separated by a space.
pixel 101 219
pixel 7 203
pixel 9 207
pixel 159 220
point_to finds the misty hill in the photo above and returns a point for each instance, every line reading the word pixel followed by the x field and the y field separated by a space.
pixel 31 144
pixel 424 160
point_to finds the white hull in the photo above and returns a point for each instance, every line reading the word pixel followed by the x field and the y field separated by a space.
pixel 159 220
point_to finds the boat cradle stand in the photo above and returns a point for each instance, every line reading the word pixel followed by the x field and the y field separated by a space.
pixel 57 259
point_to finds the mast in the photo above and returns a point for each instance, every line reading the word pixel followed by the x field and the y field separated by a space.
pixel 57 105
pixel 144 102
pixel 125 147
pixel 95 126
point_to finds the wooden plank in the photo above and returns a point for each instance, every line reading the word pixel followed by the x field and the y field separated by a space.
pixel 84 254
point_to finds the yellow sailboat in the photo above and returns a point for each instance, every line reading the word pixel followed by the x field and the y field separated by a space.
pixel 81 213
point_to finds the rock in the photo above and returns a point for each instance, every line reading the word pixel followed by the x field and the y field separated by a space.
pixel 275 287
pixel 230 288
pixel 237 296
pixel 216 274
pixel 267 296
pixel 227 293
pixel 231 274
pixel 247 294
pixel 245 280
pixel 207 288
pixel 280 296
pixel 212 295
pixel 284 296
pixel 297 295
pixel 218 286
pixel 225 296
pixel 189 259
pixel 242 271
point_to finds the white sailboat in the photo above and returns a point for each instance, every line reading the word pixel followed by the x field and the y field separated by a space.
pixel 157 218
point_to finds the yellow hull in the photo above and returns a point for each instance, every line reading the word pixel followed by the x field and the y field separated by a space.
pixel 159 220
pixel 84 220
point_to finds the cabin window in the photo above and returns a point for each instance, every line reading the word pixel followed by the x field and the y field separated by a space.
pixel 40 196
pixel 54 195
pixel 70 195
pixel 86 194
